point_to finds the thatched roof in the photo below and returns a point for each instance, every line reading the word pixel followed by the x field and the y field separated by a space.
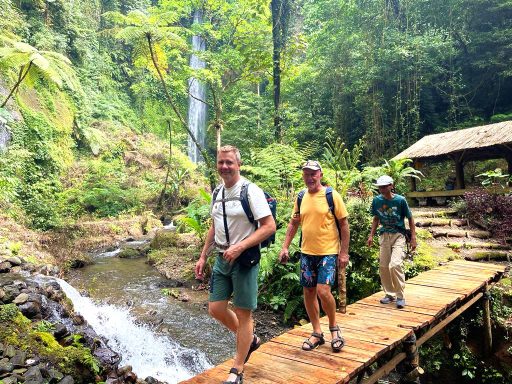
pixel 485 142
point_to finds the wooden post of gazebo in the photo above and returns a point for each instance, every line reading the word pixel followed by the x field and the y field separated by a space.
pixel 459 174
pixel 509 162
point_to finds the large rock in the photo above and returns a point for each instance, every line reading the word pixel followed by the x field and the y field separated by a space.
pixel 31 310
pixel 67 380
pixel 21 298
pixel 130 253
pixel 15 261
pixel 5 367
pixel 33 376
pixel 5 267
pixel 18 361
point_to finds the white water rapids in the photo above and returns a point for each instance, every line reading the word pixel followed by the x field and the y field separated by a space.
pixel 149 354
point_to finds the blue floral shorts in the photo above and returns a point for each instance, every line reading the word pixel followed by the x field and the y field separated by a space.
pixel 317 270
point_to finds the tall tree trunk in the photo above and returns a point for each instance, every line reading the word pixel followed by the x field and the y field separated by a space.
pixel 169 165
pixel 182 120
pixel 279 20
pixel 21 77
pixel 258 117
pixel 218 124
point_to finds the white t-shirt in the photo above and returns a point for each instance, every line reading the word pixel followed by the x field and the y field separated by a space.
pixel 239 226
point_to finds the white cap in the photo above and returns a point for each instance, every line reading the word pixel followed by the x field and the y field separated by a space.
pixel 383 181
pixel 313 165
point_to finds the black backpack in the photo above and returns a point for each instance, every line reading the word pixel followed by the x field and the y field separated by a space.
pixel 244 200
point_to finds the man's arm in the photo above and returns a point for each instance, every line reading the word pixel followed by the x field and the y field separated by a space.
pixel 267 226
pixel 345 240
pixel 375 224
pixel 412 227
pixel 293 226
pixel 210 237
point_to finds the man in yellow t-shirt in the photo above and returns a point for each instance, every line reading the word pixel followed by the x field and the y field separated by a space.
pixel 321 250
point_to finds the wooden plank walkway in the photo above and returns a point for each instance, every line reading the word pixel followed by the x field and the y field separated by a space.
pixel 370 329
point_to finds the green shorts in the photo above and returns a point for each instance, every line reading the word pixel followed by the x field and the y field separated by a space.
pixel 229 280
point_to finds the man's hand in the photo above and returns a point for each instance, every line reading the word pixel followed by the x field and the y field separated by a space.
pixel 232 253
pixel 284 256
pixel 343 259
pixel 414 244
pixel 369 242
pixel 199 270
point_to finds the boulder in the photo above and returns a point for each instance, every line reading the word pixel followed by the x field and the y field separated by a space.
pixel 67 380
pixel 5 267
pixel 31 310
pixel 33 376
pixel 5 367
pixel 15 261
pixel 21 298
pixel 18 361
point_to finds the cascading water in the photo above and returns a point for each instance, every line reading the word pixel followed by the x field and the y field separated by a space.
pixel 197 98
pixel 148 353
pixel 5 135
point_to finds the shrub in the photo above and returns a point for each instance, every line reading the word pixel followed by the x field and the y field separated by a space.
pixel 492 211
pixel 363 271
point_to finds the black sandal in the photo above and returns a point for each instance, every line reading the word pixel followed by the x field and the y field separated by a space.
pixel 256 342
pixel 239 377
pixel 311 346
pixel 338 342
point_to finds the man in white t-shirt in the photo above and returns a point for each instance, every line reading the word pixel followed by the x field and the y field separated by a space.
pixel 229 278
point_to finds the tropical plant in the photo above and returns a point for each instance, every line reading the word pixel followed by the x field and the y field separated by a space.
pixel 157 38
pixel 342 162
pixel 32 64
pixel 198 215
pixel 399 170
pixel 494 178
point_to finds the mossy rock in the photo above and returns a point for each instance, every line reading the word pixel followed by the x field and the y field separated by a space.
pixel 149 223
pixel 129 253
pixel 164 239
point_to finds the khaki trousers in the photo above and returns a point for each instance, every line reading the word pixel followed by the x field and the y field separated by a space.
pixel 392 253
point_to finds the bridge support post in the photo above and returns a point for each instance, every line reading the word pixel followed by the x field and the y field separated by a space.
pixel 487 321
pixel 412 360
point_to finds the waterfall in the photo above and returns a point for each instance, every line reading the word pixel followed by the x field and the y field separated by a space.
pixel 196 108
pixel 5 135
pixel 148 353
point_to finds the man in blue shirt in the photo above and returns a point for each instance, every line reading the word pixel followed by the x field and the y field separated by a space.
pixel 390 210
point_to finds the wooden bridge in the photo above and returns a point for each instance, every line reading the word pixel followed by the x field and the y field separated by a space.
pixel 374 332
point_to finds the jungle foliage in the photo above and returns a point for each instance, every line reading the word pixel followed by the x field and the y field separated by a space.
pixel 281 73
pixel 95 96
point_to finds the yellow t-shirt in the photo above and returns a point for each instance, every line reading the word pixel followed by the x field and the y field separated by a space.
pixel 319 232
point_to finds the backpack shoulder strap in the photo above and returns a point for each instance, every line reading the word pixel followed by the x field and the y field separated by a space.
pixel 330 203
pixel 300 196
pixel 244 200
pixel 215 193
pixel 330 199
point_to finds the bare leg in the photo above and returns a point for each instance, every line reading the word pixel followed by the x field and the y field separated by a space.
pixel 313 310
pixel 219 311
pixel 328 305
pixel 244 338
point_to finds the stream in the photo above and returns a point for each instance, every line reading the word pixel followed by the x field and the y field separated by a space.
pixel 157 335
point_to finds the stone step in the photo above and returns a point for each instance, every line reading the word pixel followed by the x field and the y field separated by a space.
pixel 448 232
pixel 470 245
pixel 487 254
pixel 433 213
pixel 432 222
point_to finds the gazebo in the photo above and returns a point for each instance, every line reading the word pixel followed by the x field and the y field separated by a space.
pixel 479 143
